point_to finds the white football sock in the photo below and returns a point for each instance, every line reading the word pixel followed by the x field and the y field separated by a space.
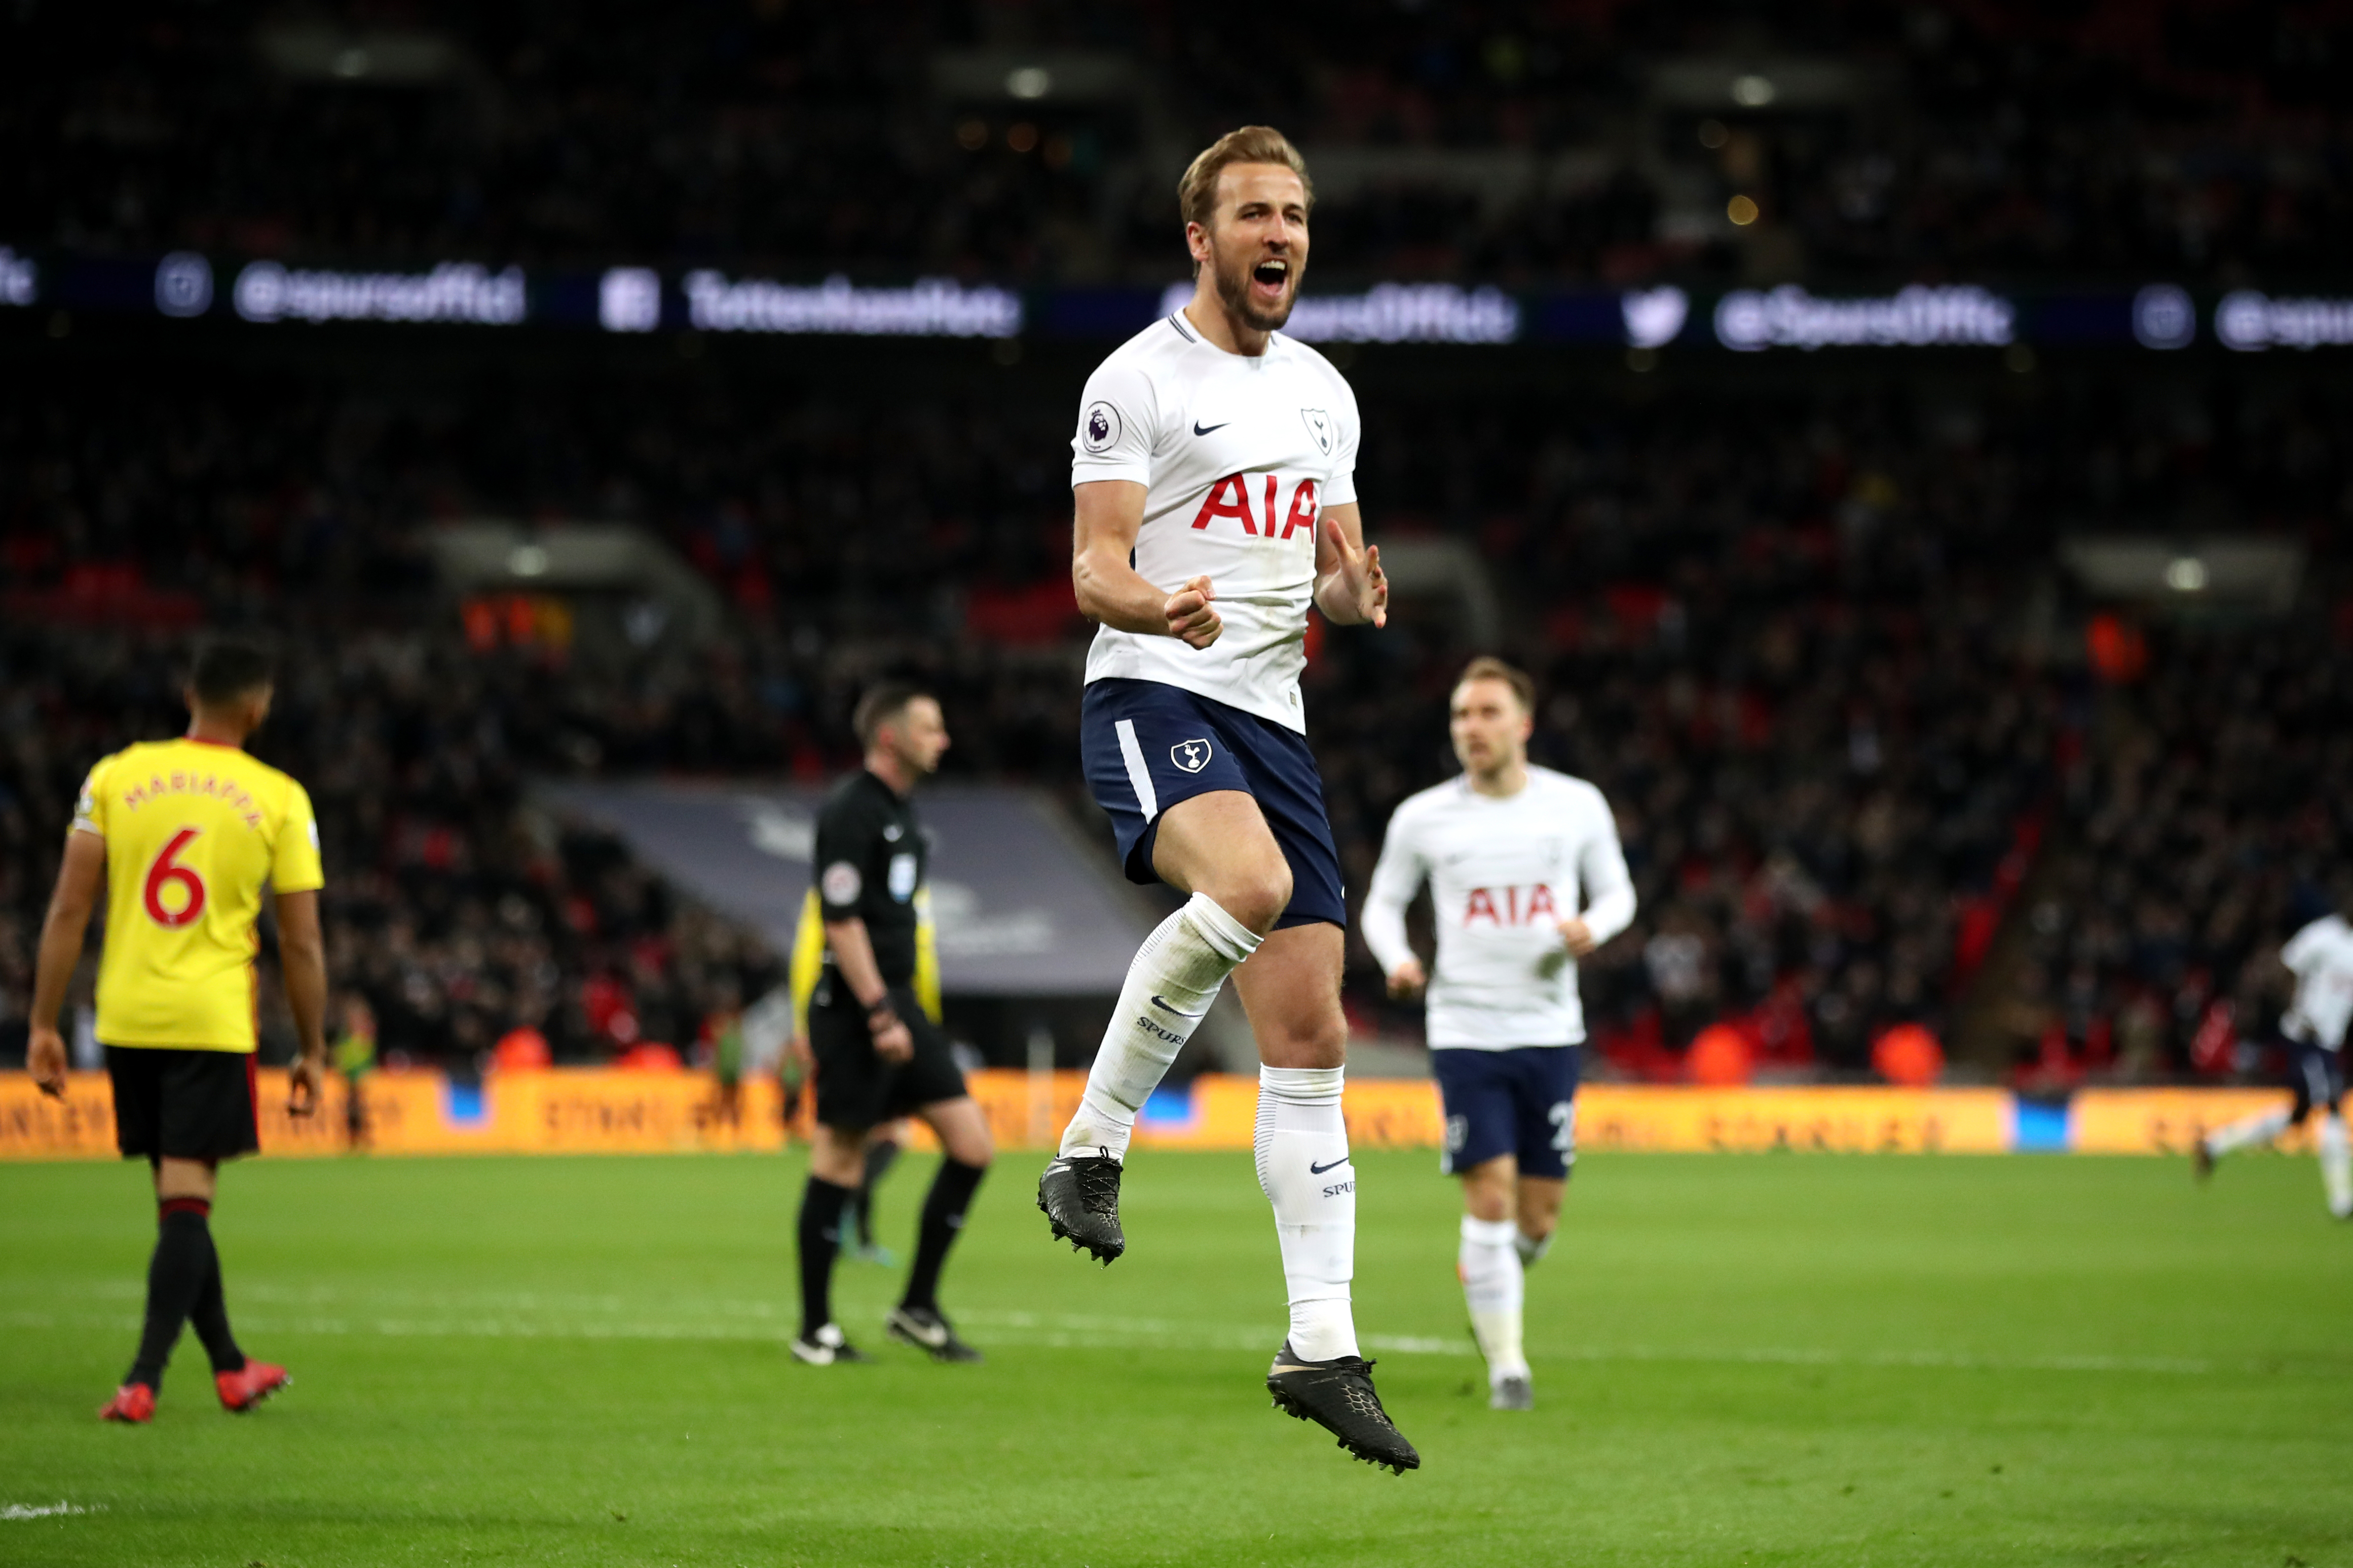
pixel 1493 1288
pixel 1531 1248
pixel 1174 978
pixel 2336 1166
pixel 2246 1131
pixel 1304 1169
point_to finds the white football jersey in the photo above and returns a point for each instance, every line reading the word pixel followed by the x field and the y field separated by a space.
pixel 2321 957
pixel 1238 457
pixel 1503 875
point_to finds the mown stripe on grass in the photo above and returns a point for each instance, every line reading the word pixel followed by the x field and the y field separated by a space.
pixel 1069 1332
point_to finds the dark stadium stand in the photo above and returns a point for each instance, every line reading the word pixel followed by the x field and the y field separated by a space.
pixel 1041 142
pixel 1806 620
pixel 1809 636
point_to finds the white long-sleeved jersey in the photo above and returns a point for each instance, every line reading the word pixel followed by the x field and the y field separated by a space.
pixel 1503 875
pixel 2321 957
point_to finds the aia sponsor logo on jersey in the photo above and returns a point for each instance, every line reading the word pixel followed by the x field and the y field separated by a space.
pixel 1511 906
pixel 1230 498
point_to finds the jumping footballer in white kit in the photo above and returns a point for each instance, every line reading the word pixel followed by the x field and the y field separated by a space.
pixel 2321 957
pixel 1525 878
pixel 1213 481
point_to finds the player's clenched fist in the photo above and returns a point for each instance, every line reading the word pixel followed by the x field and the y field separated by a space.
pixel 1192 617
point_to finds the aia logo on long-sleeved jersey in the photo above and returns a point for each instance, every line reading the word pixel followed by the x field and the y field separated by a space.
pixel 1511 906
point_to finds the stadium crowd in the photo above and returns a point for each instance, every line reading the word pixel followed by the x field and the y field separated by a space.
pixel 1565 142
pixel 1812 646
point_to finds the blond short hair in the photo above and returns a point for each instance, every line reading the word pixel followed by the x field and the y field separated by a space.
pixel 1197 192
pixel 1487 667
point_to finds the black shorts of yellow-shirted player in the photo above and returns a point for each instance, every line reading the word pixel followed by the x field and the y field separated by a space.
pixel 182 836
pixel 1263 879
pixel 878 1056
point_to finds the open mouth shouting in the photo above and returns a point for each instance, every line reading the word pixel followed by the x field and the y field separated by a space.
pixel 1270 281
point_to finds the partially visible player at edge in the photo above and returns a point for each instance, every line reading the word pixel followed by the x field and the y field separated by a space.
pixel 879 1055
pixel 2319 959
pixel 1214 491
pixel 184 834
pixel 1510 852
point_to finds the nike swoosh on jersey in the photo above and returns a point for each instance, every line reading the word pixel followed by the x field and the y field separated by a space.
pixel 1201 430
pixel 1316 1170
pixel 1178 1010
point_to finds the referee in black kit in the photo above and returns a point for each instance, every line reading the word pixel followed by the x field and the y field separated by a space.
pixel 878 1056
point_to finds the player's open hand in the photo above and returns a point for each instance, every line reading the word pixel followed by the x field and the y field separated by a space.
pixel 305 1083
pixel 1408 980
pixel 45 1059
pixel 1578 937
pixel 1192 615
pixel 1356 579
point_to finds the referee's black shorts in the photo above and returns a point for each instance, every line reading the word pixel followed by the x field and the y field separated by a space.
pixel 856 1088
pixel 184 1105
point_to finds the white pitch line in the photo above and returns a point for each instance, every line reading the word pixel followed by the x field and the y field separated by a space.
pixel 16 1512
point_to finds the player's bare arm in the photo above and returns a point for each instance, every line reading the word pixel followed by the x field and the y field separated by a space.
pixel 1351 589
pixel 853 954
pixel 302 955
pixel 1107 515
pixel 80 877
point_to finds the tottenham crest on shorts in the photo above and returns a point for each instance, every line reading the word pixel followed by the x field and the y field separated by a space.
pixel 1099 428
pixel 1190 755
pixel 1319 426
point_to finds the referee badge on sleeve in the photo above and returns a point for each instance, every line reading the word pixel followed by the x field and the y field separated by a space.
pixel 841 883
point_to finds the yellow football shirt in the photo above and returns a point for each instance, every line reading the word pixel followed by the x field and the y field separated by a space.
pixel 194 831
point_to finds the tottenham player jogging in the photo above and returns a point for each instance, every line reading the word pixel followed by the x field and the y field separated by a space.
pixel 1509 852
pixel 183 836
pixel 1213 474
pixel 879 1055
pixel 2320 959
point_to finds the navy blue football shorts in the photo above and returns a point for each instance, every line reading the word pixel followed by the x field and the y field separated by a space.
pixel 1521 1102
pixel 1147 746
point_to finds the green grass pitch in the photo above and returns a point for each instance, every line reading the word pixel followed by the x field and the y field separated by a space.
pixel 1739 1359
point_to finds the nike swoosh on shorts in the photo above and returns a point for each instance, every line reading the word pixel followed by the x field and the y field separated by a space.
pixel 1200 429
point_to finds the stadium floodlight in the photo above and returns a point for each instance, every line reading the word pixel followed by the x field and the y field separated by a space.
pixel 1028 81
pixel 19 278
pixel 629 300
pixel 1751 90
pixel 2186 574
pixel 2163 318
pixel 183 284
pixel 528 561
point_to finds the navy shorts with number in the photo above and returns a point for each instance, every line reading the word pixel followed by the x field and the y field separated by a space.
pixel 1521 1102
pixel 182 1104
pixel 1147 746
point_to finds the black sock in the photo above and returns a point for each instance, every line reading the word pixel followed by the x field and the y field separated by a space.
pixel 176 1276
pixel 820 1238
pixel 210 1318
pixel 880 1157
pixel 943 1208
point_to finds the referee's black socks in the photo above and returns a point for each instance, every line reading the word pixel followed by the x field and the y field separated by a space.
pixel 821 1239
pixel 183 1282
pixel 943 1208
